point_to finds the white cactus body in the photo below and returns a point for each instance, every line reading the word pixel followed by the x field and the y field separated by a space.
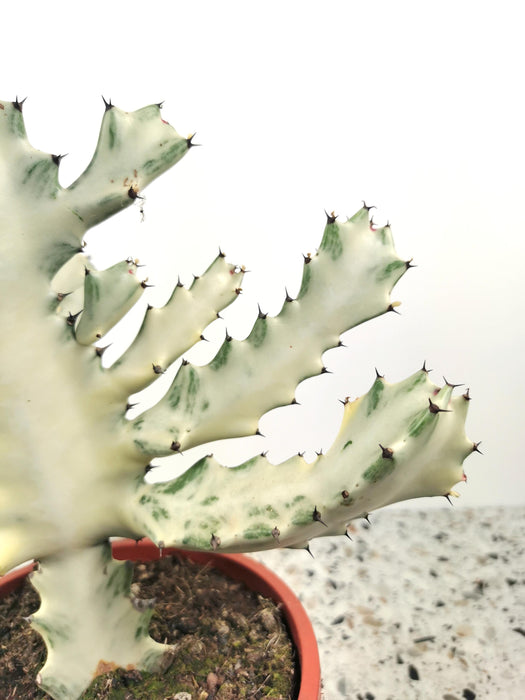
pixel 72 465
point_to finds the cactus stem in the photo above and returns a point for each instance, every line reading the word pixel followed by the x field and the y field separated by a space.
pixel 387 452
pixel 215 542
pixel 316 515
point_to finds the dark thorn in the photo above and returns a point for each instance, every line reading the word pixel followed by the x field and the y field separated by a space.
pixel 175 446
pixel 228 338
pixel 325 371
pixel 218 315
pixel 179 283
pixel 160 545
pixel 408 264
pixel 215 542
pixel 447 496
pixel 392 308
pixel 300 454
pixel 62 295
pixel 70 320
pixel 221 254
pixel 18 104
pixel 475 447
pixel 452 386
pixel 275 533
pixel 345 494
pixel 144 284
pixel 263 454
pixel 238 291
pixel 365 516
pixel 309 551
pixel 107 104
pixel 340 344
pixel 316 516
pixel 387 452
pixel 307 258
pixel 258 432
pixel 365 206
pixel 347 535
pixel 429 638
pixel 372 222
pixel 330 218
pixel 466 395
pixel 189 141
pixel 185 362
pixel 434 408
pixel 158 369
pixel 345 400
pixel 86 271
pixel 319 453
pixel 261 314
pixel 148 468
pixel 424 368
pixel 129 406
pixel 294 402
pixel 100 351
pixel 378 375
pixel 203 338
pixel 57 158
pixel 160 104
pixel 288 297
pixel 98 335
pixel 133 193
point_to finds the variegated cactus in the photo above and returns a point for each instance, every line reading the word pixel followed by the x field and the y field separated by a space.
pixel 72 463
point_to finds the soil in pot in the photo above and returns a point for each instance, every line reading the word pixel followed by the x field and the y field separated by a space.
pixel 231 643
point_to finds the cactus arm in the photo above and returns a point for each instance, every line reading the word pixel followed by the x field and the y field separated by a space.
pixel 346 283
pixel 90 621
pixel 169 331
pixel 398 441
pixel 133 149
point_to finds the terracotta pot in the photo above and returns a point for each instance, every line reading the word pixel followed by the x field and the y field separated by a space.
pixel 240 568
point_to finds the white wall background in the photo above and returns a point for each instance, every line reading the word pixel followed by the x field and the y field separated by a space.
pixel 415 107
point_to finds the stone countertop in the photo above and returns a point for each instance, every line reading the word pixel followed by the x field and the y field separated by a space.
pixel 420 604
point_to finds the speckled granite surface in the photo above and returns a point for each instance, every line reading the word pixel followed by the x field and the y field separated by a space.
pixel 420 604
